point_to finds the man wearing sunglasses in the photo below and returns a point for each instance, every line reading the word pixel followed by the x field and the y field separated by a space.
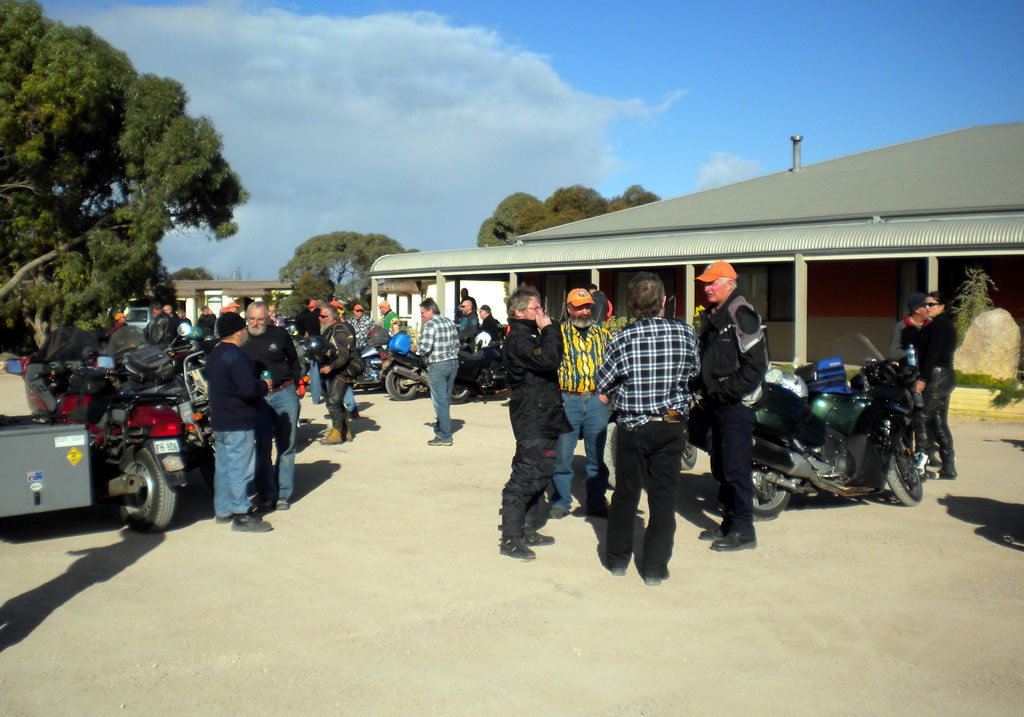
pixel 936 384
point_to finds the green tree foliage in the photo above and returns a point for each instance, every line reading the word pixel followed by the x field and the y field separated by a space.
pixel 340 258
pixel 307 287
pixel 972 298
pixel 199 273
pixel 522 213
pixel 97 164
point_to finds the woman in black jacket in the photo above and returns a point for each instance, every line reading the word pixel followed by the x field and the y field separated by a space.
pixel 937 381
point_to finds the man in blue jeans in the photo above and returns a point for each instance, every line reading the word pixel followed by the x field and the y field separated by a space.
pixel 271 349
pixel 439 346
pixel 584 345
pixel 236 394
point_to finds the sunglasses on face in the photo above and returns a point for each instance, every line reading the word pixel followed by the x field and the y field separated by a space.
pixel 931 305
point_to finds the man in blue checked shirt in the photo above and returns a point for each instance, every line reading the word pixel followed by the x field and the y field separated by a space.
pixel 644 379
pixel 439 345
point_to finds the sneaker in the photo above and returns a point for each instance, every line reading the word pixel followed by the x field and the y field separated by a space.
pixel 250 523
pixel 617 570
pixel 283 504
pixel 557 512
pixel 735 541
pixel 533 539
pixel 516 548
pixel 653 581
pixel 439 442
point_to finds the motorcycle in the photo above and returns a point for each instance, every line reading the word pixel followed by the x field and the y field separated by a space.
pixel 481 370
pixel 135 440
pixel 405 373
pixel 814 432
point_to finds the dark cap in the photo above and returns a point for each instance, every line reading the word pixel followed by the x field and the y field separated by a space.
pixel 229 323
pixel 916 301
pixel 486 308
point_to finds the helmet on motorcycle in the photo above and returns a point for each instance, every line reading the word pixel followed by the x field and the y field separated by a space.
pixel 400 343
pixel 787 380
pixel 483 339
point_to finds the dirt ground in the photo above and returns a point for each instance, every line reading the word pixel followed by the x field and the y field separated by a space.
pixel 382 592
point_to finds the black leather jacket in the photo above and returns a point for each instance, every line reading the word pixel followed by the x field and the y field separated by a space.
pixel 531 362
pixel 734 357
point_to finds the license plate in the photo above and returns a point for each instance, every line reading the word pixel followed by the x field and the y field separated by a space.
pixel 169 445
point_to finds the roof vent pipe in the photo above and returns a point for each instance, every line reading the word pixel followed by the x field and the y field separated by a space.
pixel 796 152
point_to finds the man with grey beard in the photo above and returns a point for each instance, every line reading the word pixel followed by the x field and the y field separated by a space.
pixel 271 349
pixel 585 343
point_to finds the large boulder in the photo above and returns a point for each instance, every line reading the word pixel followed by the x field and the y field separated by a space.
pixel 991 346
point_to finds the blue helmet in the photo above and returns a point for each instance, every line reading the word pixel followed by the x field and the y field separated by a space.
pixel 400 344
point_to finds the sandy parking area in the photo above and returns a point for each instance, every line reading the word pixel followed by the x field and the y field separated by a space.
pixel 382 592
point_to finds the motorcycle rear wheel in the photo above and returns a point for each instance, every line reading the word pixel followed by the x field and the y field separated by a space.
pixel 904 480
pixel 460 393
pixel 400 388
pixel 769 499
pixel 152 507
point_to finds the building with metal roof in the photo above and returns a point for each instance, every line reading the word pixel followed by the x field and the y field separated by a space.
pixel 821 249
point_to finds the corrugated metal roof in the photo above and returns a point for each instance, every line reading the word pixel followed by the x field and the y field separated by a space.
pixel 976 169
pixel 898 237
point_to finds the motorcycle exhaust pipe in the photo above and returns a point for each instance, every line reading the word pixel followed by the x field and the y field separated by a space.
pixel 408 373
pixel 782 460
pixel 123 485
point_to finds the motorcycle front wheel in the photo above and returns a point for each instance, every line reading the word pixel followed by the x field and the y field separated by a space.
pixel 152 507
pixel 400 388
pixel 903 479
pixel 460 393
pixel 769 499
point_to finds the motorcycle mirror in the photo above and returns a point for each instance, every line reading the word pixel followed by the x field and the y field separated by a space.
pixel 106 362
pixel 14 366
pixel 184 329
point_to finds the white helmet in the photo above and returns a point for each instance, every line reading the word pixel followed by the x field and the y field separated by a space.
pixel 787 380
pixel 482 339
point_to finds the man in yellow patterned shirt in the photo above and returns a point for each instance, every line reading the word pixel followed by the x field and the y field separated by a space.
pixel 585 343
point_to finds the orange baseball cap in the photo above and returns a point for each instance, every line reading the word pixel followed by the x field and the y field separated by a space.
pixel 337 304
pixel 311 304
pixel 119 316
pixel 233 305
pixel 717 270
pixel 357 307
pixel 579 297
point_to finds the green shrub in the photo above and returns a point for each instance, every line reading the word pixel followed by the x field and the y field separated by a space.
pixel 1006 391
pixel 972 298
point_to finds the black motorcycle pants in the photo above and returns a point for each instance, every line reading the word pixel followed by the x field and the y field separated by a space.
pixel 936 395
pixel 532 466
pixel 732 446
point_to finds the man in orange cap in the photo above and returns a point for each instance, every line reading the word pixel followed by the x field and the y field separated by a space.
pixel 363 325
pixel 734 359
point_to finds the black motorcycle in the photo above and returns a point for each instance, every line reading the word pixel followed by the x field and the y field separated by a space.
pixel 814 432
pixel 481 370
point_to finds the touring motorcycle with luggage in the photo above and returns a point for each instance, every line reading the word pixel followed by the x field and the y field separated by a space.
pixel 814 432
pixel 122 443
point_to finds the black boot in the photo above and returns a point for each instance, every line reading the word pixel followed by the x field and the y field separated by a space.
pixel 516 548
pixel 533 538
pixel 948 471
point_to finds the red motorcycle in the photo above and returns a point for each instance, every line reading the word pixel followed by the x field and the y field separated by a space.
pixel 135 440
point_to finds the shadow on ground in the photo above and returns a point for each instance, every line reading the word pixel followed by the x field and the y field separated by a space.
pixel 22 614
pixel 1002 523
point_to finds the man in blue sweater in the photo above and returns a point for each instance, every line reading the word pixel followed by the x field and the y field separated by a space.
pixel 235 397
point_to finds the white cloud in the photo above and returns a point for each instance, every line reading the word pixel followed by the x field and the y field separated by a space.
pixel 725 168
pixel 396 123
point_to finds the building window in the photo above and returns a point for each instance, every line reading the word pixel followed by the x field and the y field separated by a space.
pixel 768 288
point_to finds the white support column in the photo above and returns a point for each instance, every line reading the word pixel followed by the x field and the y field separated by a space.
pixel 513 281
pixel 439 278
pixel 374 311
pixel 799 310
pixel 595 278
pixel 931 273
pixel 689 298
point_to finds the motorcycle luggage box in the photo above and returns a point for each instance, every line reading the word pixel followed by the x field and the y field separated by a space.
pixel 779 412
pixel 88 382
pixel 153 363
pixel 46 467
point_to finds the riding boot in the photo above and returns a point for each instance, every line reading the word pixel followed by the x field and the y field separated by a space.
pixel 346 432
pixel 948 470
pixel 333 437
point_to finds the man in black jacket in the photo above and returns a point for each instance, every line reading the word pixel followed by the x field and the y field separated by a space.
pixel 532 354
pixel 937 382
pixel 734 359
pixel 159 332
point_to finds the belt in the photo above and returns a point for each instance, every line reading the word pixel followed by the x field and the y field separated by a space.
pixel 286 384
pixel 668 417
pixel 581 394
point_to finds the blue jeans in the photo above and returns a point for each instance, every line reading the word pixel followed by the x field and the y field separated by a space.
pixel 589 416
pixel 235 467
pixel 441 379
pixel 279 420
pixel 314 382
pixel 350 400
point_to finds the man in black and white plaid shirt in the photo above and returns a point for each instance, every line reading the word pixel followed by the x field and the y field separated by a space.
pixel 439 345
pixel 644 379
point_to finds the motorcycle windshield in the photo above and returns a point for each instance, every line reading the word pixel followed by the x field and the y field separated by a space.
pixel 126 337
pixel 855 349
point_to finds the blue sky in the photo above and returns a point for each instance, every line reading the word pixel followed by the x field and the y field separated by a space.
pixel 416 119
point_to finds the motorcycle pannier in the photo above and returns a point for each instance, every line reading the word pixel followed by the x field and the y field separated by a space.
pixel 825 376
pixel 153 363
pixel 88 381
pixel 779 412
